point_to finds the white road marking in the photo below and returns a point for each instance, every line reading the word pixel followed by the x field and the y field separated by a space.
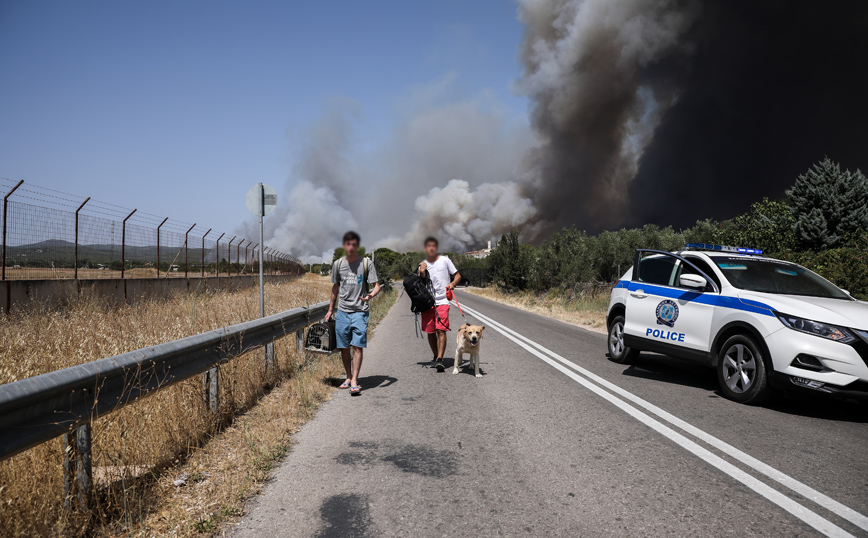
pixel 798 510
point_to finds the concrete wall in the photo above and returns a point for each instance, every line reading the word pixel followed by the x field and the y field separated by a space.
pixel 22 294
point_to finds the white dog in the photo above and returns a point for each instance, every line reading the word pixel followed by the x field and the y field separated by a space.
pixel 469 339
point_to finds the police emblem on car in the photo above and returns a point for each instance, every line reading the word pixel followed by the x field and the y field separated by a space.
pixel 667 313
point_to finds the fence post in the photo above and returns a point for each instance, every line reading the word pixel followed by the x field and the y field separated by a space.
pixel 237 257
pixel 218 252
pixel 124 243
pixel 186 245
pixel 203 252
pixel 75 261
pixel 158 246
pixel 77 467
pixel 5 211
pixel 229 266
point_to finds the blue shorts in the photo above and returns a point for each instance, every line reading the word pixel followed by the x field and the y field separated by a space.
pixel 351 329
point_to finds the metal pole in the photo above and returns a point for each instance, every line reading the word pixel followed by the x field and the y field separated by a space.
pixel 186 245
pixel 218 252
pixel 158 246
pixel 237 257
pixel 229 267
pixel 5 206
pixel 261 254
pixel 124 243
pixel 203 252
pixel 76 235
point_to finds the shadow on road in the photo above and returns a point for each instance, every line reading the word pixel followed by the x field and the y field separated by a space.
pixel 664 369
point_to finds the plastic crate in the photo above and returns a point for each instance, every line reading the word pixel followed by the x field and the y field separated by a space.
pixel 321 338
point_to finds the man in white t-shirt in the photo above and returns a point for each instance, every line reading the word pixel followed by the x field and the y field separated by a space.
pixel 444 276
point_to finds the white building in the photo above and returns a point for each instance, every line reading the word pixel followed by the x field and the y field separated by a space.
pixel 480 253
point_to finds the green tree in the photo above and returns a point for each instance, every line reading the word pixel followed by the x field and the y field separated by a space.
pixel 508 262
pixel 828 205
pixel 339 253
pixel 768 225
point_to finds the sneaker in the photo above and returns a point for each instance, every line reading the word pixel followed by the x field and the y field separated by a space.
pixel 438 363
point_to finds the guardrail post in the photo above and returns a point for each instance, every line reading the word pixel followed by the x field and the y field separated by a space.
pixel 75 261
pixel 211 389
pixel 124 245
pixel 269 359
pixel 158 247
pixel 77 467
pixel 299 340
pixel 186 244
pixel 5 211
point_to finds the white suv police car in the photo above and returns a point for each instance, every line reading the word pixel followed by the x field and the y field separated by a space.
pixel 758 321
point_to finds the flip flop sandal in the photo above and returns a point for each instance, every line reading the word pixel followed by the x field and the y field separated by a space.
pixel 345 385
pixel 355 391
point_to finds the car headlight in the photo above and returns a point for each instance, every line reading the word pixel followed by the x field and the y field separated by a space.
pixel 823 330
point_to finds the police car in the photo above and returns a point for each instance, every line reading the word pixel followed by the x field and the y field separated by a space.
pixel 758 321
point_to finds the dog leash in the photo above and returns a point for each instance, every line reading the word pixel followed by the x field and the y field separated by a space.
pixel 451 297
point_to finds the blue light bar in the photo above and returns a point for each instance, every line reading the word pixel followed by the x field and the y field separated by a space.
pixel 721 248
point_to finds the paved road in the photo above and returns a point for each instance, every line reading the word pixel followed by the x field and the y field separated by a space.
pixel 555 440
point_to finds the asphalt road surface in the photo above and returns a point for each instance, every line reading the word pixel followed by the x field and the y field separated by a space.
pixel 556 440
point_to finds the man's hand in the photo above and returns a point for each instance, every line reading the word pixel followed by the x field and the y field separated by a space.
pixel 450 286
pixel 366 298
pixel 422 268
pixel 328 314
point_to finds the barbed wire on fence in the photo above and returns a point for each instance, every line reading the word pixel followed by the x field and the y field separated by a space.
pixel 51 234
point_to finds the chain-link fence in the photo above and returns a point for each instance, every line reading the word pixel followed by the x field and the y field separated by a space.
pixel 49 234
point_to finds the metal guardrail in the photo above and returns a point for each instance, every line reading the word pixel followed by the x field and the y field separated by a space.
pixel 40 408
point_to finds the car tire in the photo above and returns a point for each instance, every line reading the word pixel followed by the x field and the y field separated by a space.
pixel 618 352
pixel 741 370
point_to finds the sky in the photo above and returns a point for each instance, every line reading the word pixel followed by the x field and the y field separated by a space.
pixel 404 119
pixel 178 108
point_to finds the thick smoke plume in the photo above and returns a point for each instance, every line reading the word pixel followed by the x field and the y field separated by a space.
pixel 663 111
pixel 597 99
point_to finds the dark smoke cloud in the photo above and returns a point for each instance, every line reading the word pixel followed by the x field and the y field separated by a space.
pixel 673 111
pixel 597 98
pixel 770 88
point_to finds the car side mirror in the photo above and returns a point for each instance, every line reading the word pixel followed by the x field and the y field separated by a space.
pixel 693 281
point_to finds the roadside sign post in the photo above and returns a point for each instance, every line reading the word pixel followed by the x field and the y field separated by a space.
pixel 262 201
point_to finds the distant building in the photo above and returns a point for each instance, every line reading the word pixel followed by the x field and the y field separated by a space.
pixel 479 254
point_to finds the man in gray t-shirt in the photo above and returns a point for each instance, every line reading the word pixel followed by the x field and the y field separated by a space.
pixel 352 280
pixel 350 277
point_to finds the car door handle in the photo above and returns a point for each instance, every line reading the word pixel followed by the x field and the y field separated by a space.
pixel 639 294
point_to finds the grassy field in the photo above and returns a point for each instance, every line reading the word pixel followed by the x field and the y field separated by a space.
pixel 586 308
pixel 140 450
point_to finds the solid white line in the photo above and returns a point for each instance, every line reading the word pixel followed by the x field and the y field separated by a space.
pixel 823 500
pixel 801 512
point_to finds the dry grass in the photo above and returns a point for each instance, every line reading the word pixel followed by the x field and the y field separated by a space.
pixel 50 273
pixel 139 450
pixel 585 308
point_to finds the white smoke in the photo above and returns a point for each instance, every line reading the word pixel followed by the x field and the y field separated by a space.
pixel 460 216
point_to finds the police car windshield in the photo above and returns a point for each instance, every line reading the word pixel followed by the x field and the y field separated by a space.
pixel 770 276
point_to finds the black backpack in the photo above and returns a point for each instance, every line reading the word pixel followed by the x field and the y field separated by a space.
pixel 419 291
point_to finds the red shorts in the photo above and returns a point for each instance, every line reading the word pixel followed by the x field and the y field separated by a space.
pixel 440 322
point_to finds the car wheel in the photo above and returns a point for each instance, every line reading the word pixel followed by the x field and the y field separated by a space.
pixel 741 370
pixel 619 352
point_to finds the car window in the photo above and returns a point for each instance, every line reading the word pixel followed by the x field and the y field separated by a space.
pixel 684 269
pixel 657 269
pixel 772 276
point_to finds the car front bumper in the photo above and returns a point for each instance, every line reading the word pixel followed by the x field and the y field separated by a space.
pixel 844 366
